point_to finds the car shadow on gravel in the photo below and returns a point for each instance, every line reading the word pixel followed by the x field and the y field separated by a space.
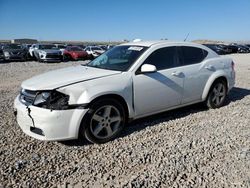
pixel 237 94
pixel 137 125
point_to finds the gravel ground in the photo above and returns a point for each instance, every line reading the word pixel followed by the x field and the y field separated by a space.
pixel 189 147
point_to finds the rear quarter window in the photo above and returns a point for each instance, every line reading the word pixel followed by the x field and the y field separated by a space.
pixel 192 55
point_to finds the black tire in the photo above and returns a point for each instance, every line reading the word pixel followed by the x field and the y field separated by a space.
pixel 217 99
pixel 67 58
pixel 88 122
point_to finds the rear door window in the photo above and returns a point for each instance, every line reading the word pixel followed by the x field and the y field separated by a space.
pixel 191 55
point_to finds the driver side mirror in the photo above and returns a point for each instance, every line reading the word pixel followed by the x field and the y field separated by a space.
pixel 148 68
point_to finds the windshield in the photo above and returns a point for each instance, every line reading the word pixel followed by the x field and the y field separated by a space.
pixel 119 58
pixel 61 46
pixel 75 48
pixel 96 48
pixel 13 46
pixel 47 47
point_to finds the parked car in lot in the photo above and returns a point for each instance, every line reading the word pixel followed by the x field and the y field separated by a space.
pixel 94 51
pixel 75 53
pixel 14 52
pixel 219 50
pixel 227 49
pixel 47 53
pixel 234 48
pixel 128 82
pixel 243 49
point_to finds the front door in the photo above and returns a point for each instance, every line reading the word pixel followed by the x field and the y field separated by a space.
pixel 154 92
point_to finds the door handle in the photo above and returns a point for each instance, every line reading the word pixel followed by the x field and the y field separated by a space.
pixel 176 73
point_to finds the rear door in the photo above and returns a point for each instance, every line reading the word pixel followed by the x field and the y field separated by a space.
pixel 195 72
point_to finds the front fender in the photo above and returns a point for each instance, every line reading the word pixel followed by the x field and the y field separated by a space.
pixel 86 92
pixel 210 81
pixel 95 92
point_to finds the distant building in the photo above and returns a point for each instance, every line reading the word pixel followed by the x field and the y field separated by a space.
pixel 24 41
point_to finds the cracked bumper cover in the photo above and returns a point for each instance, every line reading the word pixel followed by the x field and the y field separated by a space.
pixel 55 125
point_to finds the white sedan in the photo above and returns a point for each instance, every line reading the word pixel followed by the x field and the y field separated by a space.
pixel 128 82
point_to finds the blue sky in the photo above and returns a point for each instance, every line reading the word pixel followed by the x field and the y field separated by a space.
pixel 125 19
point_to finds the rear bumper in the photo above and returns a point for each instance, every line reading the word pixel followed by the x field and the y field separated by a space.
pixel 44 124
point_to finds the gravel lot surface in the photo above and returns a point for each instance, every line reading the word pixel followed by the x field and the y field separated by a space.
pixel 189 147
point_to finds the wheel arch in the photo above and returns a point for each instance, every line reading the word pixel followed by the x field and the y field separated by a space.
pixel 117 97
pixel 211 81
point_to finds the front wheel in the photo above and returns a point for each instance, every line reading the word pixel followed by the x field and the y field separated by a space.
pixel 217 94
pixel 104 121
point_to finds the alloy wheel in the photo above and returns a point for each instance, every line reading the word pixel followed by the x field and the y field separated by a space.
pixel 105 122
pixel 218 94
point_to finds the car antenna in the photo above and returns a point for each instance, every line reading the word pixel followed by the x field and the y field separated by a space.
pixel 186 37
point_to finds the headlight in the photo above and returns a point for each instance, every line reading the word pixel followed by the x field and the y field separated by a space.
pixel 7 54
pixel 42 53
pixel 53 100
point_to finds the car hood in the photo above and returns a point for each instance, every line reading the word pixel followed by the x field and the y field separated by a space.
pixel 50 51
pixel 66 76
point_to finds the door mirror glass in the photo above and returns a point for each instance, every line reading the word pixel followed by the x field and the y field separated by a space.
pixel 147 68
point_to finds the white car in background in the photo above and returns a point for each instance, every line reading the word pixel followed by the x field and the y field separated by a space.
pixel 94 51
pixel 31 50
pixel 127 82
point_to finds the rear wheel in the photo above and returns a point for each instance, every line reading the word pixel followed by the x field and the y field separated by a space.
pixel 104 121
pixel 217 94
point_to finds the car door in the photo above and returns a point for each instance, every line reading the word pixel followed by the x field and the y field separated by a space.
pixel 157 91
pixel 195 72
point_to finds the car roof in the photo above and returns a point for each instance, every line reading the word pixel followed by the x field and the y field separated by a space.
pixel 159 42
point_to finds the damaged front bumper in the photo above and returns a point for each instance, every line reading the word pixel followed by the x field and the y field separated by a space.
pixel 46 124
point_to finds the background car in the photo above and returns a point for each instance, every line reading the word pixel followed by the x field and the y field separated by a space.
pixel 225 48
pixel 243 49
pixel 14 52
pixel 74 53
pixel 94 51
pixel 47 53
pixel 233 48
pixel 219 50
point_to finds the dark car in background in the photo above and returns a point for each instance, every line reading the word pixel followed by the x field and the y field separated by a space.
pixel 233 47
pixel 219 50
pixel 243 49
pixel 14 52
pixel 74 53
pixel 225 48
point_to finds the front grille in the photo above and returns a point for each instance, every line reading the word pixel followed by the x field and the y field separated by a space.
pixel 16 53
pixel 27 97
pixel 52 56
